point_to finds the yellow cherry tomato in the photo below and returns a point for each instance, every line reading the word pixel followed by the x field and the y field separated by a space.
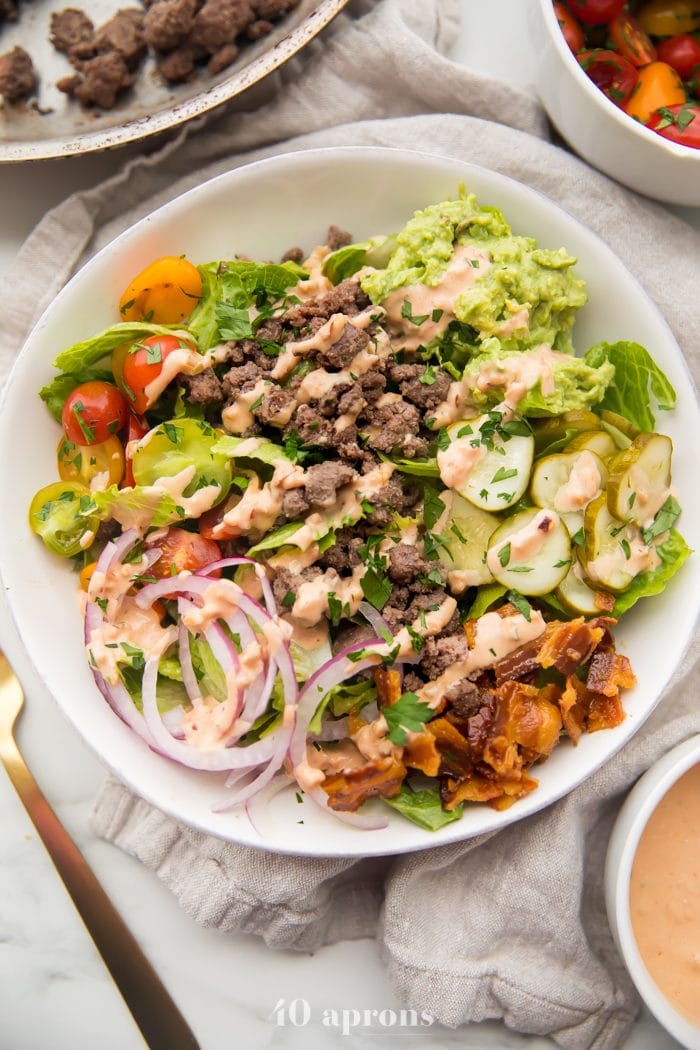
pixel 166 292
pixel 658 85
pixel 86 575
pixel 84 462
pixel 669 17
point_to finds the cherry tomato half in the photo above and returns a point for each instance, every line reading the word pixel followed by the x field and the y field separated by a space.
pixel 166 292
pixel 630 39
pixel 85 462
pixel 184 550
pixel 679 123
pixel 682 52
pixel 596 12
pixel 136 429
pixel 612 73
pixel 668 17
pixel 571 30
pixel 93 412
pixel 142 367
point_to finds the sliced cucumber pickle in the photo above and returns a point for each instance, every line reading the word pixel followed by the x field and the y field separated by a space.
pixel 604 557
pixel 598 441
pixel 547 431
pixel 467 532
pixel 640 479
pixel 492 475
pixel 552 475
pixel 530 552
pixel 620 423
pixel 575 595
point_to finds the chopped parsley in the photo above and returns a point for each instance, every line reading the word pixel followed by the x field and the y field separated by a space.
pixel 173 432
pixel 504 554
pixel 502 475
pixel 433 508
pixel 408 715
pixel 408 315
pixel 663 521
pixel 520 602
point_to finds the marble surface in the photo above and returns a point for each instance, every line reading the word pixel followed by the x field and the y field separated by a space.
pixel 54 990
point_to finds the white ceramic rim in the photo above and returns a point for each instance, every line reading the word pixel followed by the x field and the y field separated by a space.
pixel 686 154
pixel 535 801
pixel 647 794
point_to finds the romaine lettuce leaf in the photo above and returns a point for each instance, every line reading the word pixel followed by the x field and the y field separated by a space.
pixel 423 807
pixel 673 552
pixel 82 355
pixel 342 699
pixel 56 392
pixel 485 597
pixel 136 507
pixel 637 379
pixel 264 451
pixel 208 671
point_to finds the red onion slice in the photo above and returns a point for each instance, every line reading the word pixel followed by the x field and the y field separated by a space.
pixel 283 733
pixel 260 572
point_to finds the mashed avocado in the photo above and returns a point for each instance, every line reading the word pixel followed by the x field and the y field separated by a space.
pixel 566 383
pixel 519 294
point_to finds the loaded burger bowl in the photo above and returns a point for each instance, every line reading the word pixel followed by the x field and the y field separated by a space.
pixel 352 572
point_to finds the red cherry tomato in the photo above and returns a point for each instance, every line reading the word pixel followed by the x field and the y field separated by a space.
pixel 630 39
pixel 612 73
pixel 143 365
pixel 679 123
pixel 571 30
pixel 596 12
pixel 93 412
pixel 136 429
pixel 211 522
pixel 682 52
pixel 184 550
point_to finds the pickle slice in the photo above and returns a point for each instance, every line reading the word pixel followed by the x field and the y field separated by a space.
pixel 498 476
pixel 551 477
pixel 640 479
pixel 530 552
pixel 604 555
pixel 598 441
pixel 466 538
pixel 547 431
pixel 620 423
pixel 575 595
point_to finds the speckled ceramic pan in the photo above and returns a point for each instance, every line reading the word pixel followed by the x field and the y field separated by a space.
pixel 52 125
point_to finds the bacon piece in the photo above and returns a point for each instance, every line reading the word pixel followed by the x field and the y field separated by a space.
pixel 604 601
pixel 381 777
pixel 610 672
pixel 455 751
pixel 475 788
pixel 573 704
pixel 388 683
pixel 519 664
pixel 567 646
pixel 526 720
pixel 605 712
pixel 421 752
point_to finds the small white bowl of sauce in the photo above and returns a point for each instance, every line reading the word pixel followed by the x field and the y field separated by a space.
pixel 652 887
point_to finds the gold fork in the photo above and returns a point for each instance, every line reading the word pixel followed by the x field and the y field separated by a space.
pixel 159 1019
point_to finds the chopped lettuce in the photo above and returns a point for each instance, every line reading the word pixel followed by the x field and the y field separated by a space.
pixel 342 699
pixel 56 392
pixel 307 661
pixel 637 379
pixel 279 538
pixel 264 451
pixel 424 807
pixel 134 507
pixel 346 261
pixel 673 552
pixel 169 692
pixel 420 468
pixel 577 384
pixel 228 289
pixel 82 355
pixel 207 670
pixel 485 597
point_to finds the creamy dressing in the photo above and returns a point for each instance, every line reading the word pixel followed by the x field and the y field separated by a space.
pixel 459 580
pixel 348 508
pixel 464 268
pixel 133 626
pixel 526 542
pixel 183 359
pixel 372 741
pixel 665 896
pixel 582 486
pixel 238 417
pixel 519 321
pixel 316 284
pixel 328 334
pixel 458 461
pixel 311 603
pixel 496 637
pixel 642 558
pixel 647 504
pixel 261 504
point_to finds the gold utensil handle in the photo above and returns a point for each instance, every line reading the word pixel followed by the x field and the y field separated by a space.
pixel 161 1023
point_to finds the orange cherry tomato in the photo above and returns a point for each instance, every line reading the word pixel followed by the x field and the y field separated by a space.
pixel 93 412
pixel 612 73
pixel 571 30
pixel 184 550
pixel 84 462
pixel 143 364
pixel 668 17
pixel 682 52
pixel 166 292
pixel 136 429
pixel 630 39
pixel 658 85
pixel 86 574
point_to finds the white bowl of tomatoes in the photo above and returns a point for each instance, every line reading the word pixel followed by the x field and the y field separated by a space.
pixel 621 83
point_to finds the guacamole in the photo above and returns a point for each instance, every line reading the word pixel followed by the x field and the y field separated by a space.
pixel 520 295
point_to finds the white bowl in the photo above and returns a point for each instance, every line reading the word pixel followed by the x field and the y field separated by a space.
pixel 598 130
pixel 261 210
pixel 629 826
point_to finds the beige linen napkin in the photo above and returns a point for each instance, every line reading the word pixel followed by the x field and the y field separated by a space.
pixel 511 925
